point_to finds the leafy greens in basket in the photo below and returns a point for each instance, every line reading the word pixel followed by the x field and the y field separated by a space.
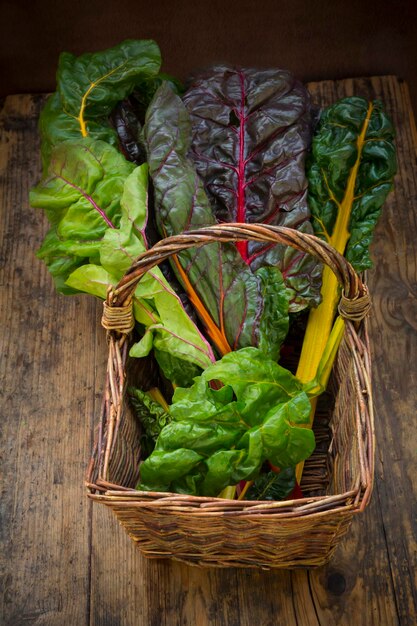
pixel 220 437
pixel 126 160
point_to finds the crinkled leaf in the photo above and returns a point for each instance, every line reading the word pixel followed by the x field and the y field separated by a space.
pixel 80 193
pixel 223 469
pixel 351 171
pixel 257 382
pixel 259 415
pixel 167 466
pixel 282 438
pixel 81 190
pixel 56 126
pixel 90 85
pixel 202 403
pixel 88 88
pixel 222 288
pixel 200 437
pixel 153 417
pixel 60 260
pixel 274 323
pixel 250 135
pixel 121 246
pixel 272 486
pixel 178 371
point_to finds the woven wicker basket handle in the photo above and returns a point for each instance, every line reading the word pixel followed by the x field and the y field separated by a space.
pixel 354 303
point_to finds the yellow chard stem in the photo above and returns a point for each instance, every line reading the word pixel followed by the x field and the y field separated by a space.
pixel 228 492
pixel 83 103
pixel 245 489
pixel 320 320
pixel 157 396
pixel 318 328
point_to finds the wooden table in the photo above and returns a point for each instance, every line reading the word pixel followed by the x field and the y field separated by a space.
pixel 66 562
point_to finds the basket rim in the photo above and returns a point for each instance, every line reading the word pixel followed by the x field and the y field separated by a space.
pixel 312 507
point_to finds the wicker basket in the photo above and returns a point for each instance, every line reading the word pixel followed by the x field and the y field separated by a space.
pixel 215 532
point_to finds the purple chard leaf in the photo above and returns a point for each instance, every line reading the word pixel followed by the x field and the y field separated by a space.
pixel 250 134
pixel 228 297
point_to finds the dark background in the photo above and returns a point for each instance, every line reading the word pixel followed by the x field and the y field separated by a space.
pixel 316 40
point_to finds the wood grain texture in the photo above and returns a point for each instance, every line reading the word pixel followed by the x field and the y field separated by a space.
pixel 48 398
pixel 393 285
pixel 63 563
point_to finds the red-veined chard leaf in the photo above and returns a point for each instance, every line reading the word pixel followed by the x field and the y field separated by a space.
pixel 80 193
pixel 89 87
pixel 218 438
pixel 250 135
pixel 226 294
pixel 97 203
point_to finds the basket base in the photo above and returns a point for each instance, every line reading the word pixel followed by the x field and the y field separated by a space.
pixel 308 544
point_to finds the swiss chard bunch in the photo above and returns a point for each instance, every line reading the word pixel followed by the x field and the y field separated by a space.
pixel 219 437
pixel 98 203
pixel 130 157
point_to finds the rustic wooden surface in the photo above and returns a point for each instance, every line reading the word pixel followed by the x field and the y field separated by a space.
pixel 66 562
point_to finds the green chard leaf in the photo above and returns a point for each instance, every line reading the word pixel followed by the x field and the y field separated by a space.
pixel 272 485
pixel 226 294
pixel 92 279
pixel 97 204
pixel 90 85
pixel 152 415
pixel 80 193
pixel 258 415
pixel 178 371
pixel 275 315
pixel 88 88
pixel 351 172
pixel 160 310
pixel 56 126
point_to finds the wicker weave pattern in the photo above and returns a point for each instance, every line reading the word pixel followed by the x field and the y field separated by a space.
pixel 215 532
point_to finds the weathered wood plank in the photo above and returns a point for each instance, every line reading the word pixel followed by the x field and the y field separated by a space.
pixel 378 558
pixel 394 330
pixel 47 392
